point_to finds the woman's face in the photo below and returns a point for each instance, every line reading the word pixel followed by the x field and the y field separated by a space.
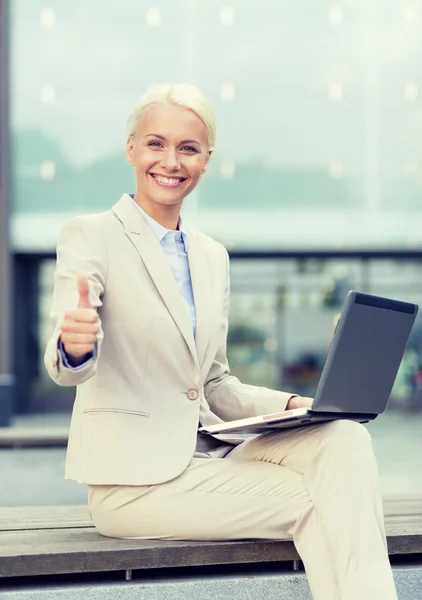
pixel 169 152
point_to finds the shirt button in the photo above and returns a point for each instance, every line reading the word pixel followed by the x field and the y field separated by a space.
pixel 192 394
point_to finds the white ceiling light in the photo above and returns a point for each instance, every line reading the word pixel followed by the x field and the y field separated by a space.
pixel 153 17
pixel 47 170
pixel 227 169
pixel 411 13
pixel 336 168
pixel 335 92
pixel 411 167
pixel 47 17
pixel 48 94
pixel 335 15
pixel 227 92
pixel 227 16
pixel 411 91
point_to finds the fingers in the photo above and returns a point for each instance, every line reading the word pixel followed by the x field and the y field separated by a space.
pixel 86 339
pixel 79 339
pixel 81 316
pixel 299 402
pixel 77 350
pixel 83 290
pixel 75 337
pixel 81 323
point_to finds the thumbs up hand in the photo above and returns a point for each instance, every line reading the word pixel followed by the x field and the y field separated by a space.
pixel 81 325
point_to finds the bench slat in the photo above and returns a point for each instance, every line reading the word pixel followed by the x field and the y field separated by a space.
pixel 61 539
pixel 44 517
pixel 90 552
pixel 55 551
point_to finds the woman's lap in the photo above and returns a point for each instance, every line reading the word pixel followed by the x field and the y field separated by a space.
pixel 212 499
pixel 250 493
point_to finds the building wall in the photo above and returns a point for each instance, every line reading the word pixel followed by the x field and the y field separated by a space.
pixel 317 103
pixel 318 149
pixel 6 346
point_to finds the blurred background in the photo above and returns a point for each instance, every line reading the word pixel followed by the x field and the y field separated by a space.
pixel 315 187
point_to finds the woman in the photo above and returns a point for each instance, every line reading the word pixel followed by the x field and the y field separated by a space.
pixel 140 311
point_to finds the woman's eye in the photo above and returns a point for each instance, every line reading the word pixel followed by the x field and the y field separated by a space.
pixel 154 144
pixel 189 149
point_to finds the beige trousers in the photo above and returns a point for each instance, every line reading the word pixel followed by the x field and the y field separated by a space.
pixel 318 485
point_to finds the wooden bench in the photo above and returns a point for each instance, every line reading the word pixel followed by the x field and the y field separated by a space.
pixel 48 541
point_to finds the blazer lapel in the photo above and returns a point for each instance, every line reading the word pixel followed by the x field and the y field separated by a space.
pixel 202 291
pixel 140 234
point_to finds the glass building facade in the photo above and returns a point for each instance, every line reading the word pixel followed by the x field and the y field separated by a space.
pixel 318 110
pixel 315 186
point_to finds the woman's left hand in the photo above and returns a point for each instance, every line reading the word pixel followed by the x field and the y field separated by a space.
pixel 299 402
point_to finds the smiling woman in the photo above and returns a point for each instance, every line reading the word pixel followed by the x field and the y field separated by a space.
pixel 140 314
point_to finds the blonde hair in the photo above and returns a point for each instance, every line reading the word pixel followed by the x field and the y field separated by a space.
pixel 187 96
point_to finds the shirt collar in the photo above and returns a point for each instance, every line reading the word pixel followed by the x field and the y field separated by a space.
pixel 159 230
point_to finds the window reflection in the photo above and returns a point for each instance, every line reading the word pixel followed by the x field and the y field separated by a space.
pixel 282 316
pixel 318 143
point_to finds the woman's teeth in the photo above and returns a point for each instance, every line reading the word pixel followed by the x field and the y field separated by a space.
pixel 168 180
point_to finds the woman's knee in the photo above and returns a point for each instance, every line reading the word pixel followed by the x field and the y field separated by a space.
pixel 345 432
pixel 347 445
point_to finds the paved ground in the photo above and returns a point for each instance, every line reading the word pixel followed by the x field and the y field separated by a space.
pixel 36 476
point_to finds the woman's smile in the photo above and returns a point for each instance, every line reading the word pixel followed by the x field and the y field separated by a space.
pixel 169 182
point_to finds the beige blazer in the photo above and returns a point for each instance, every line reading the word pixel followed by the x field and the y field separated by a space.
pixel 138 404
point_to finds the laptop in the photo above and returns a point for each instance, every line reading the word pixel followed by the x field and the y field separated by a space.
pixel 359 372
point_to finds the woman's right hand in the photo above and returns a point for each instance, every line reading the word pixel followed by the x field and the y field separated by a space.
pixel 81 325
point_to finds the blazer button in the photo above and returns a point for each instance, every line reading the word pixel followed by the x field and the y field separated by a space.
pixel 192 394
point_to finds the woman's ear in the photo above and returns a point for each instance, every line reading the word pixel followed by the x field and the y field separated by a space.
pixel 129 150
pixel 207 160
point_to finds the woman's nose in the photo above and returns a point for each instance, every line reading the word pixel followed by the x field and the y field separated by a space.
pixel 170 160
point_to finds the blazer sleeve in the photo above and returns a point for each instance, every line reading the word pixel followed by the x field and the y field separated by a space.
pixel 227 396
pixel 80 249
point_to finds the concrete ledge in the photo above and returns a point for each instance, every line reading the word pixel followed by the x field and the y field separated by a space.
pixel 12 437
pixel 271 586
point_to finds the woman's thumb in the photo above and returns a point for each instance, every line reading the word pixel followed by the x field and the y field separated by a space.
pixel 83 289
